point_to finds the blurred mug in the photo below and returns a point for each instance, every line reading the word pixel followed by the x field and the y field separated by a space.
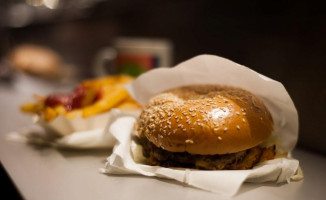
pixel 133 56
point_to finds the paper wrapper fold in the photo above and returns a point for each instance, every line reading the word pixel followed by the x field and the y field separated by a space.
pixel 208 69
pixel 77 133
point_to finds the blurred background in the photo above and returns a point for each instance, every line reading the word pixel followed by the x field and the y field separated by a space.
pixel 283 40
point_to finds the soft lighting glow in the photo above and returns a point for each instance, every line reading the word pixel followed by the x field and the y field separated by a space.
pixel 220 112
pixel 52 4
pixel 34 2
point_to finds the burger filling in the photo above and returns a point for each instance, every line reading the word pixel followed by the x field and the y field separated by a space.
pixel 234 161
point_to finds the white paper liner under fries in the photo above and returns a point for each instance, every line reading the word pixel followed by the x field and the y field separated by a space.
pixel 207 69
pixel 77 133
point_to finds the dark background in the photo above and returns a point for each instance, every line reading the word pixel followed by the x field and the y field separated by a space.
pixel 285 41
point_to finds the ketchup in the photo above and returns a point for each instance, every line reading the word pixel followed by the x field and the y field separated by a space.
pixel 69 101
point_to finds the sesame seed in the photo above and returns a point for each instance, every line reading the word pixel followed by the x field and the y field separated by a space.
pixel 184 129
pixel 243 120
pixel 162 114
pixel 238 127
pixel 225 129
pixel 237 113
pixel 189 141
pixel 219 138
pixel 244 113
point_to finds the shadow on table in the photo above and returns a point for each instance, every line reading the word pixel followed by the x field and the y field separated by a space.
pixel 69 153
pixel 246 187
pixel 96 153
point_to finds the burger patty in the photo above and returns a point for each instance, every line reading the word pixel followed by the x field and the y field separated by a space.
pixel 235 161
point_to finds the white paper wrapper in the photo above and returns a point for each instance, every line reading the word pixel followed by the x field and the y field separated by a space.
pixel 208 69
pixel 77 133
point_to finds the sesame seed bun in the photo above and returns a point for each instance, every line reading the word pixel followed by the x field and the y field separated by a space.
pixel 205 120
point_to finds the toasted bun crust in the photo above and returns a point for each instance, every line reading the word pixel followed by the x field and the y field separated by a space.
pixel 205 120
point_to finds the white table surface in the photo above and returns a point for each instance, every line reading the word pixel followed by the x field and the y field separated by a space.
pixel 46 173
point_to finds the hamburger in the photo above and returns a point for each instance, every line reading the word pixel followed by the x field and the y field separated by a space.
pixel 209 127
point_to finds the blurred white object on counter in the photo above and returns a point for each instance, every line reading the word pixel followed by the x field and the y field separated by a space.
pixel 39 69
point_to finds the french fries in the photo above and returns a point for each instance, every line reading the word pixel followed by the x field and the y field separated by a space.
pixel 98 95
pixel 128 105
pixel 32 107
pixel 113 95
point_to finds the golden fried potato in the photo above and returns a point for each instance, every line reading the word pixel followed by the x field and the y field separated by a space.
pixel 128 105
pixel 32 107
pixel 112 96
pixel 49 114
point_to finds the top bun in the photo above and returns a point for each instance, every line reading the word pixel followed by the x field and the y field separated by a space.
pixel 205 120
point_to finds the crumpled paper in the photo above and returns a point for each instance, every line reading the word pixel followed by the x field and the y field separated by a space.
pixel 77 133
pixel 209 69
